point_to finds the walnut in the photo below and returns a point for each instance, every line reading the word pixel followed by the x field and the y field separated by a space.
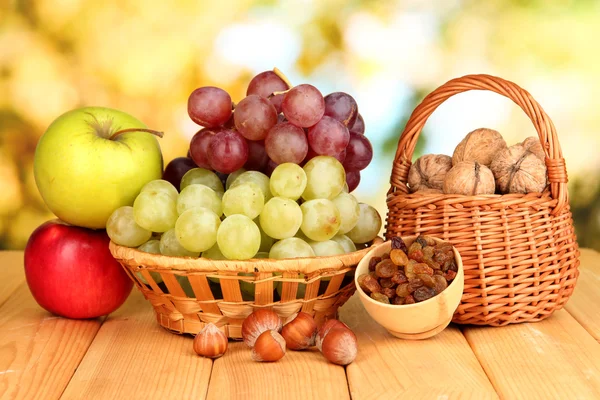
pixel 481 145
pixel 533 145
pixel 518 170
pixel 469 178
pixel 428 172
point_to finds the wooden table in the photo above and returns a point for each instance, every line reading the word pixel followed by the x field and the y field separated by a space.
pixel 128 356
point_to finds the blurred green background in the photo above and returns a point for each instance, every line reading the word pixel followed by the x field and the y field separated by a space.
pixel 146 57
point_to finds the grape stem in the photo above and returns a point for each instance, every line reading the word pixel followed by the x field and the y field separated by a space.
pixel 283 78
pixel 155 133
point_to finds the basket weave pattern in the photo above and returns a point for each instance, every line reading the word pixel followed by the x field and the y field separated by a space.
pixel 519 251
pixel 195 292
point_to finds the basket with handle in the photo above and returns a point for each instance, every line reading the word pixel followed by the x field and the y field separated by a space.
pixel 188 293
pixel 519 251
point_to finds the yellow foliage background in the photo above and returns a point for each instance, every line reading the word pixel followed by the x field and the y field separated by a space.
pixel 146 57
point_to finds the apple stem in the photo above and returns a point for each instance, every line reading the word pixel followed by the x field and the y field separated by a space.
pixel 156 133
pixel 283 77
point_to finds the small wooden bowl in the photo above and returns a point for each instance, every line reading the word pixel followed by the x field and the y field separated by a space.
pixel 412 321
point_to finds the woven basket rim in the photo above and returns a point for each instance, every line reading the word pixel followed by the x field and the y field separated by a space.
pixel 307 266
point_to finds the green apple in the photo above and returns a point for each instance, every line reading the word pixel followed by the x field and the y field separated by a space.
pixel 93 160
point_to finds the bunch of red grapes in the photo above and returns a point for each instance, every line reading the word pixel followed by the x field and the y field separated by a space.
pixel 273 124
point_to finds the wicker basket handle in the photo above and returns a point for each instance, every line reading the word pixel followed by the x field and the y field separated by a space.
pixel 557 172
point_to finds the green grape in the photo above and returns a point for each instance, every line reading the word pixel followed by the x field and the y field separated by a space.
pixel 281 218
pixel 197 195
pixel 255 177
pixel 123 230
pixel 266 241
pixel 349 211
pixel 300 291
pixel 326 178
pixel 155 211
pixel 185 284
pixel 346 189
pixel 262 254
pixel 238 237
pixel 151 246
pixel 203 177
pixel 320 219
pixel 196 229
pixel 246 199
pixel 246 287
pixel 291 248
pixel 170 246
pixel 288 180
pixel 346 243
pixel 327 248
pixel 368 225
pixel 159 185
pixel 233 176
pixel 214 253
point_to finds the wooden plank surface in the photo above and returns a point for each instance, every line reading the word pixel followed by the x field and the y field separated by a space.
pixel 442 367
pixel 132 357
pixel 552 359
pixel 302 375
pixel 584 305
pixel 38 351
pixel 11 273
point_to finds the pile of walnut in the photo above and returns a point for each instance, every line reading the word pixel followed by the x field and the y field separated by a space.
pixel 482 163
pixel 268 337
pixel 408 276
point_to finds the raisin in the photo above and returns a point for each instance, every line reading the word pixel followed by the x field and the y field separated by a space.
pixel 415 252
pixel 438 272
pixel 402 290
pixel 422 241
pixel 361 281
pixel 373 262
pixel 432 264
pixel 389 292
pixel 386 283
pixel 409 300
pixel 398 243
pixel 428 252
pixel 386 269
pixel 422 269
pixel 450 275
pixel 414 284
pixel 449 266
pixel 440 283
pixel 398 300
pixel 380 298
pixel 370 285
pixel 423 293
pixel 385 256
pixel 427 280
pixel 399 278
pixel 399 257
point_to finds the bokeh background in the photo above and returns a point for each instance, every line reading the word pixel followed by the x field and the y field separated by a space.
pixel 146 57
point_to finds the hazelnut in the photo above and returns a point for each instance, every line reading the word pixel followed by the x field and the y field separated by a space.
pixel 300 332
pixel 258 322
pixel 339 346
pixel 210 342
pixel 325 328
pixel 270 346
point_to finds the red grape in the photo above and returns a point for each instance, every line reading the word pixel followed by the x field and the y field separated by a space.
pixel 328 137
pixel 228 151
pixel 359 125
pixel 311 154
pixel 209 106
pixel 271 165
pixel 286 143
pixel 352 179
pixel 359 153
pixel 257 156
pixel 254 116
pixel 341 106
pixel 175 170
pixel 230 124
pixel 265 84
pixel 199 147
pixel 303 105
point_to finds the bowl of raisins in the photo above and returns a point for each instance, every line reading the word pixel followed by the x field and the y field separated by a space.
pixel 412 285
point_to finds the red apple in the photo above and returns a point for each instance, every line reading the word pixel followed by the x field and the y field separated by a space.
pixel 71 272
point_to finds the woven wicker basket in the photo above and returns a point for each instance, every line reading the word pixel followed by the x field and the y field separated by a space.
pixel 520 252
pixel 194 292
